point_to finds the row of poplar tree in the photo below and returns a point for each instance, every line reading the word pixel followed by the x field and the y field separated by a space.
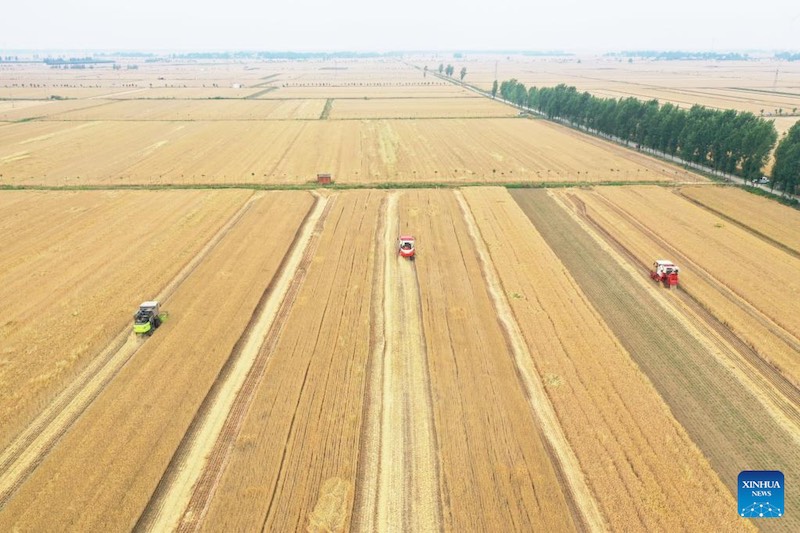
pixel 726 140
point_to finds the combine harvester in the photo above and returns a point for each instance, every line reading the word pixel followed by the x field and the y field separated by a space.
pixel 665 272
pixel 405 246
pixel 147 319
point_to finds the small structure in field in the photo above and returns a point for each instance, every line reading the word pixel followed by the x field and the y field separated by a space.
pixel 324 179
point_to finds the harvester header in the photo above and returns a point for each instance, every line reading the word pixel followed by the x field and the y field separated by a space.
pixel 406 246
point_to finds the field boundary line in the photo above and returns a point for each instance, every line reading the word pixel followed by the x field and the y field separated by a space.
pixel 561 452
pixel 313 185
pixel 197 465
pixel 30 448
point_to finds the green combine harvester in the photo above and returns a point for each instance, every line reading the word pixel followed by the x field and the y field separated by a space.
pixel 147 319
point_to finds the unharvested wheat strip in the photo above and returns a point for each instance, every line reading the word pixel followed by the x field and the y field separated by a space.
pixel 766 403
pixel 495 469
pixel 174 501
pixel 752 269
pixel 295 461
pixel 406 477
pixel 749 344
pixel 366 492
pixel 767 219
pixel 125 440
pixel 22 456
pixel 618 426
pixel 540 404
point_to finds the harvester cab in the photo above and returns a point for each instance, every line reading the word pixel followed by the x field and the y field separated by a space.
pixel 146 319
pixel 665 272
pixel 405 246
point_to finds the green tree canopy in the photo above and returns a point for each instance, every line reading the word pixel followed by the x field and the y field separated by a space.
pixel 786 172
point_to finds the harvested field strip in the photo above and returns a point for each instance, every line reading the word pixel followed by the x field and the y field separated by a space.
pixel 496 471
pixel 135 425
pixel 223 401
pixel 294 464
pixel 326 111
pixel 398 489
pixel 72 275
pixel 757 272
pixel 768 351
pixel 724 419
pixel 606 406
pixel 766 218
pixel 219 456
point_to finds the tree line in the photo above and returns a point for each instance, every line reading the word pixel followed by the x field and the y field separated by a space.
pixel 726 140
pixel 449 70
pixel 786 172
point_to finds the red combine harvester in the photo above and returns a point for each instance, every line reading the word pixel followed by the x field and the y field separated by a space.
pixel 405 246
pixel 665 272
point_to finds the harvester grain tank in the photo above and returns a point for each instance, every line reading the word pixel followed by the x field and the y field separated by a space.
pixel 147 318
pixel 406 246
pixel 665 272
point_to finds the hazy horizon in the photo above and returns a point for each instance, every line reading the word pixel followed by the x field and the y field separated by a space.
pixel 361 26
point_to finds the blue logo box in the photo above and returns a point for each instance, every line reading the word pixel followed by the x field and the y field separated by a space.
pixel 761 494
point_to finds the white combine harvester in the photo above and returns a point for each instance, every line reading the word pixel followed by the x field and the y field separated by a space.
pixel 665 272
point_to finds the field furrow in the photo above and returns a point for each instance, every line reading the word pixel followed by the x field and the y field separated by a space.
pixel 606 406
pixel 496 471
pixel 134 427
pixel 294 463
pixel 725 419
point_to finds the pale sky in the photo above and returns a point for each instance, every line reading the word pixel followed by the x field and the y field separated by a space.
pixel 362 25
